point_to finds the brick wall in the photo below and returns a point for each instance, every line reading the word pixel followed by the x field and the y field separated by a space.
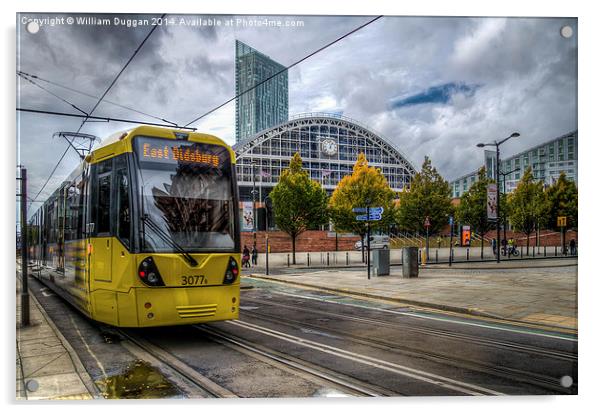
pixel 309 241
pixel 546 238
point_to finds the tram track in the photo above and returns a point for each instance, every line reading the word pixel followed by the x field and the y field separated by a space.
pixel 547 382
pixel 194 383
pixel 499 344
pixel 456 386
pixel 314 372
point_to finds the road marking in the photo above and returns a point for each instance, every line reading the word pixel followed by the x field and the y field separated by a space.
pixel 421 375
pixel 437 318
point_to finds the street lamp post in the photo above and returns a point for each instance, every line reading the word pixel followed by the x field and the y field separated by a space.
pixel 254 192
pixel 505 174
pixel 497 184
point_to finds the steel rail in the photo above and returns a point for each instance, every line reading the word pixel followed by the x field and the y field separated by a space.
pixel 173 364
pixel 562 355
pixel 395 368
pixel 540 380
pixel 356 387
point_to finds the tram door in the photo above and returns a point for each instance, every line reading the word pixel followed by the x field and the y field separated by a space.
pixel 101 242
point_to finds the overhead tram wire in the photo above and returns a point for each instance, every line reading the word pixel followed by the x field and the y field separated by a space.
pixel 97 103
pixel 101 118
pixel 32 76
pixel 52 93
pixel 285 69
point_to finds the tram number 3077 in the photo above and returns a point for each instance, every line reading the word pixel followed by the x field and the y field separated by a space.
pixel 193 280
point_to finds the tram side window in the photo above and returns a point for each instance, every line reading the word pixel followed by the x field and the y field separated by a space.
pixel 123 200
pixel 103 206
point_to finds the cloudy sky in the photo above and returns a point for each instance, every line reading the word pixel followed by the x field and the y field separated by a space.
pixel 435 86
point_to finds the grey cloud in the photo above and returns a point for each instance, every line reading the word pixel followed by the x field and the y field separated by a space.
pixel 527 72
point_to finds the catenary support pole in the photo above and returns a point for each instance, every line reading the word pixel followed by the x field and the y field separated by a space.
pixel 24 247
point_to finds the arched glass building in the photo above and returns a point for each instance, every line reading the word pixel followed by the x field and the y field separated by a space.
pixel 329 145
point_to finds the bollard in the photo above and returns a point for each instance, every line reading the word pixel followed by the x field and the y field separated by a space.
pixel 544 250
pixel 328 259
pixel 347 258
pixel 288 260
pixel 467 254
pixel 436 256
pixel 521 251
pixel 308 259
pixel 555 250
pixel 411 264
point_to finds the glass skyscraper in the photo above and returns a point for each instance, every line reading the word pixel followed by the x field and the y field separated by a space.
pixel 267 104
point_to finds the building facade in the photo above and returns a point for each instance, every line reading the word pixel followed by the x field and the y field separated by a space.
pixel 263 106
pixel 547 161
pixel 329 146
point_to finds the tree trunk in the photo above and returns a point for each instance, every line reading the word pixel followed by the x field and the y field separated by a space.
pixel 528 236
pixel 482 241
pixel 294 239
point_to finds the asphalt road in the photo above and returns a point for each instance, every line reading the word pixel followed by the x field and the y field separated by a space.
pixel 292 342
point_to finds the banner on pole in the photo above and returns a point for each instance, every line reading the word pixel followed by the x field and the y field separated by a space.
pixel 247 216
pixel 491 201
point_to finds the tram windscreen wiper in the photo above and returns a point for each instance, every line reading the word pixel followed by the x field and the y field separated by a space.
pixel 165 237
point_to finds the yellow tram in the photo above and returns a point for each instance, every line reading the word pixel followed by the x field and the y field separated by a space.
pixel 145 232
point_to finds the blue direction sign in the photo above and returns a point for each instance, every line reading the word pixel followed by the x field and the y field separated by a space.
pixel 374 210
pixel 371 217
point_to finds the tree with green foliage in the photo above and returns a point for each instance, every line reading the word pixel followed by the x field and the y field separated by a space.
pixel 429 195
pixel 562 201
pixel 527 205
pixel 298 202
pixel 472 209
pixel 366 186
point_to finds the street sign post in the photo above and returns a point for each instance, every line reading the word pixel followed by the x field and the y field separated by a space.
pixel 368 214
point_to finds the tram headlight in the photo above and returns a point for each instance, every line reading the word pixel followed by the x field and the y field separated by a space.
pixel 149 273
pixel 231 271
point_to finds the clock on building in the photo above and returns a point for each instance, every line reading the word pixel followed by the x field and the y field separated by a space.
pixel 329 146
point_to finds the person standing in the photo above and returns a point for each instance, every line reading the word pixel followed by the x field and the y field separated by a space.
pixel 245 257
pixel 254 255
pixel 494 245
pixel 573 246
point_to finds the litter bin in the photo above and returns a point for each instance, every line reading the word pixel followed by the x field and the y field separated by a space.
pixel 410 262
pixel 381 262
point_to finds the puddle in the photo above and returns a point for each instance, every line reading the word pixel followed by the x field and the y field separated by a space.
pixel 139 381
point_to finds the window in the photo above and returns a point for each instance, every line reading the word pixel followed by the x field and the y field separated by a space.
pixel 122 201
pixel 101 197
pixel 103 222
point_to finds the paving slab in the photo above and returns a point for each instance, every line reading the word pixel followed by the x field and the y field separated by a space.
pixel 46 361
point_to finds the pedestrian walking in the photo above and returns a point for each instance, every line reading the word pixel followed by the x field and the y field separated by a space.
pixel 254 255
pixel 245 257
pixel 494 246
pixel 573 246
pixel 504 246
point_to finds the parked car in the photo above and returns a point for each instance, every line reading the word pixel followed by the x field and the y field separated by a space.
pixel 376 242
